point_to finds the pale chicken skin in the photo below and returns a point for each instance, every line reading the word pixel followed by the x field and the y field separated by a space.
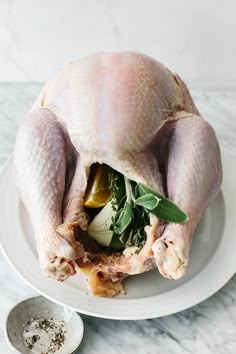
pixel 128 111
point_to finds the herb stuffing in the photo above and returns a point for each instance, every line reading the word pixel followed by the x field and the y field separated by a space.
pixel 121 222
pixel 130 219
pixel 133 203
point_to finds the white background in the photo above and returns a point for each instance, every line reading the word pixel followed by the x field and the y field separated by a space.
pixel 196 38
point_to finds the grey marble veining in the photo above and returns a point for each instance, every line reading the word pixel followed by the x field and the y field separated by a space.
pixel 208 328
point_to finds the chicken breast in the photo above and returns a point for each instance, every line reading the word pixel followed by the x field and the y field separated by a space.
pixel 128 111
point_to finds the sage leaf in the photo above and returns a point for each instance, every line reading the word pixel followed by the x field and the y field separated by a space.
pixel 166 209
pixel 170 212
pixel 124 219
pixel 148 201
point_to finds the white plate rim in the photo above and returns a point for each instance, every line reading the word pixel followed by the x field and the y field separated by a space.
pixel 212 286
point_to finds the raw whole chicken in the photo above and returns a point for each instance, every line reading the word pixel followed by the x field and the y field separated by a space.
pixel 128 111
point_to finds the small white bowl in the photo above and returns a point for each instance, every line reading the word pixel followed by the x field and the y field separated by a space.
pixel 39 307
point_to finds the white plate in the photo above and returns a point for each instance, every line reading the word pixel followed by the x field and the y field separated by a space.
pixel 149 295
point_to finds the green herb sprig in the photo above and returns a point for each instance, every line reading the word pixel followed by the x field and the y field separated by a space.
pixel 133 204
pixel 165 209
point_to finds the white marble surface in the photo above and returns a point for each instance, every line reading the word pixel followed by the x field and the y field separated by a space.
pixel 194 38
pixel 208 328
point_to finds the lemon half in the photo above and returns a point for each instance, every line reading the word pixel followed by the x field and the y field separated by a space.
pixel 97 193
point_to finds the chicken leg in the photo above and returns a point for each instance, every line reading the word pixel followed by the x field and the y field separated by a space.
pixel 188 148
pixel 43 151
